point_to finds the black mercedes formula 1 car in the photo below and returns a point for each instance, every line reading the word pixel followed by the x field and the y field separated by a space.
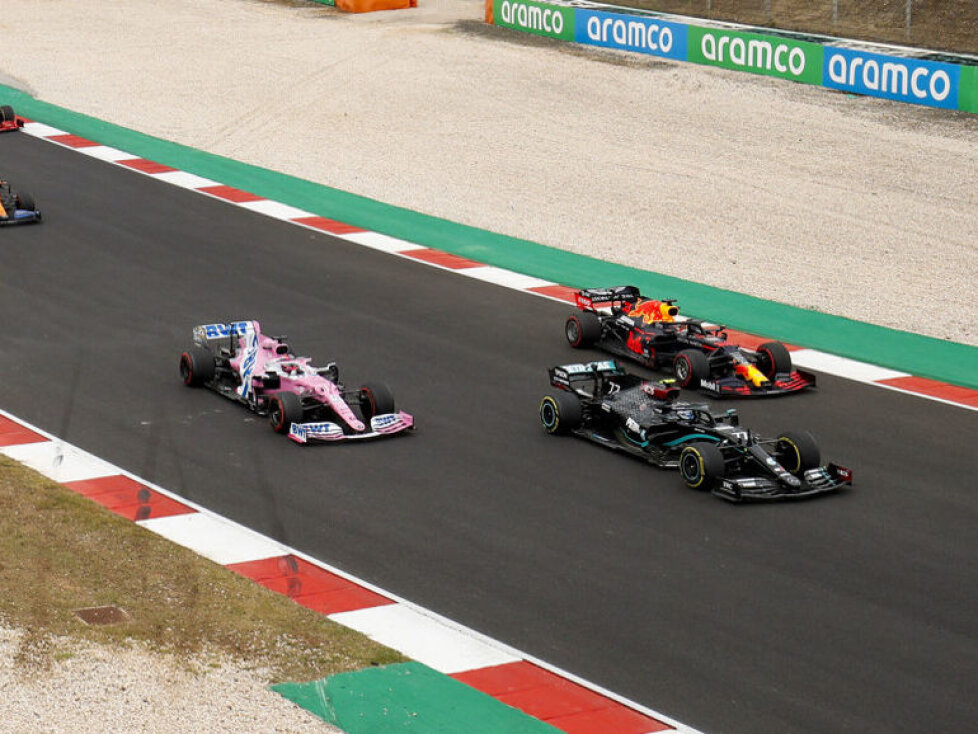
pixel 601 402
pixel 623 322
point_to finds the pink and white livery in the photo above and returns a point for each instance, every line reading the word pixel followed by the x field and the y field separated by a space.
pixel 308 403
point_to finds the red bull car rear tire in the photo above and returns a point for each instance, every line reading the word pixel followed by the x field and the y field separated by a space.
pixel 582 329
pixel 690 366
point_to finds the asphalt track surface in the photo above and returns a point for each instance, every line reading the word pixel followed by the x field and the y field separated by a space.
pixel 848 613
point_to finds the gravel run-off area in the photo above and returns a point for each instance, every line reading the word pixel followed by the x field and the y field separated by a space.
pixel 847 205
pixel 92 688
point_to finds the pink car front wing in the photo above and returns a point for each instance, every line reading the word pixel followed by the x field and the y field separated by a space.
pixel 380 425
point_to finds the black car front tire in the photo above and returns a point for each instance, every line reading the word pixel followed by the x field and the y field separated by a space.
pixel 798 451
pixel 701 465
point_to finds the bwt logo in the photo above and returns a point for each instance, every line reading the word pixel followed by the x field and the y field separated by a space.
pixel 906 79
pixel 532 17
pixel 237 328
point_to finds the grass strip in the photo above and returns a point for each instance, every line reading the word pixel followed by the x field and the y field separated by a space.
pixel 60 551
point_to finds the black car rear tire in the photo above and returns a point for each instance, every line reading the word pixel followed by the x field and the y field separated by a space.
pixel 582 329
pixel 690 366
pixel 561 413
pixel 7 113
pixel 375 399
pixel 798 451
pixel 197 366
pixel 773 358
pixel 701 465
pixel 26 201
pixel 285 408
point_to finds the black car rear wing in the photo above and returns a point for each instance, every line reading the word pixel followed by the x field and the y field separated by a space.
pixel 566 375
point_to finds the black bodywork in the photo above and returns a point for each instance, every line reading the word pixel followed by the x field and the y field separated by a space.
pixel 604 404
pixel 622 322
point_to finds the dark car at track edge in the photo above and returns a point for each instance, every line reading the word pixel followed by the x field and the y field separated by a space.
pixel 623 322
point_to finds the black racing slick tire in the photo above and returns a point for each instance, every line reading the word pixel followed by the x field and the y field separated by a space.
pixel 197 367
pixel 375 399
pixel 701 465
pixel 561 413
pixel 284 409
pixel 690 366
pixel 26 201
pixel 7 113
pixel 773 358
pixel 582 329
pixel 798 451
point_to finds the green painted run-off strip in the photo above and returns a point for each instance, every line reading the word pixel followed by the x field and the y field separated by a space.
pixel 919 355
pixel 408 697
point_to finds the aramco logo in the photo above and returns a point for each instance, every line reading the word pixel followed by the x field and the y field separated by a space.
pixel 532 17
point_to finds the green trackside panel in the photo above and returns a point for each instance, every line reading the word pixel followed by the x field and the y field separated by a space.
pixel 325 2
pixel 785 58
pixel 407 697
pixel 542 19
pixel 968 90
pixel 920 355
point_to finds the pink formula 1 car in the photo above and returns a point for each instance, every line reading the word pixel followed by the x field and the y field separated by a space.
pixel 308 403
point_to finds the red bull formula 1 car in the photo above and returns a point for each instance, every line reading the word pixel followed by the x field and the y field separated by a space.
pixel 623 322
pixel 9 120
pixel 602 403
pixel 308 403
